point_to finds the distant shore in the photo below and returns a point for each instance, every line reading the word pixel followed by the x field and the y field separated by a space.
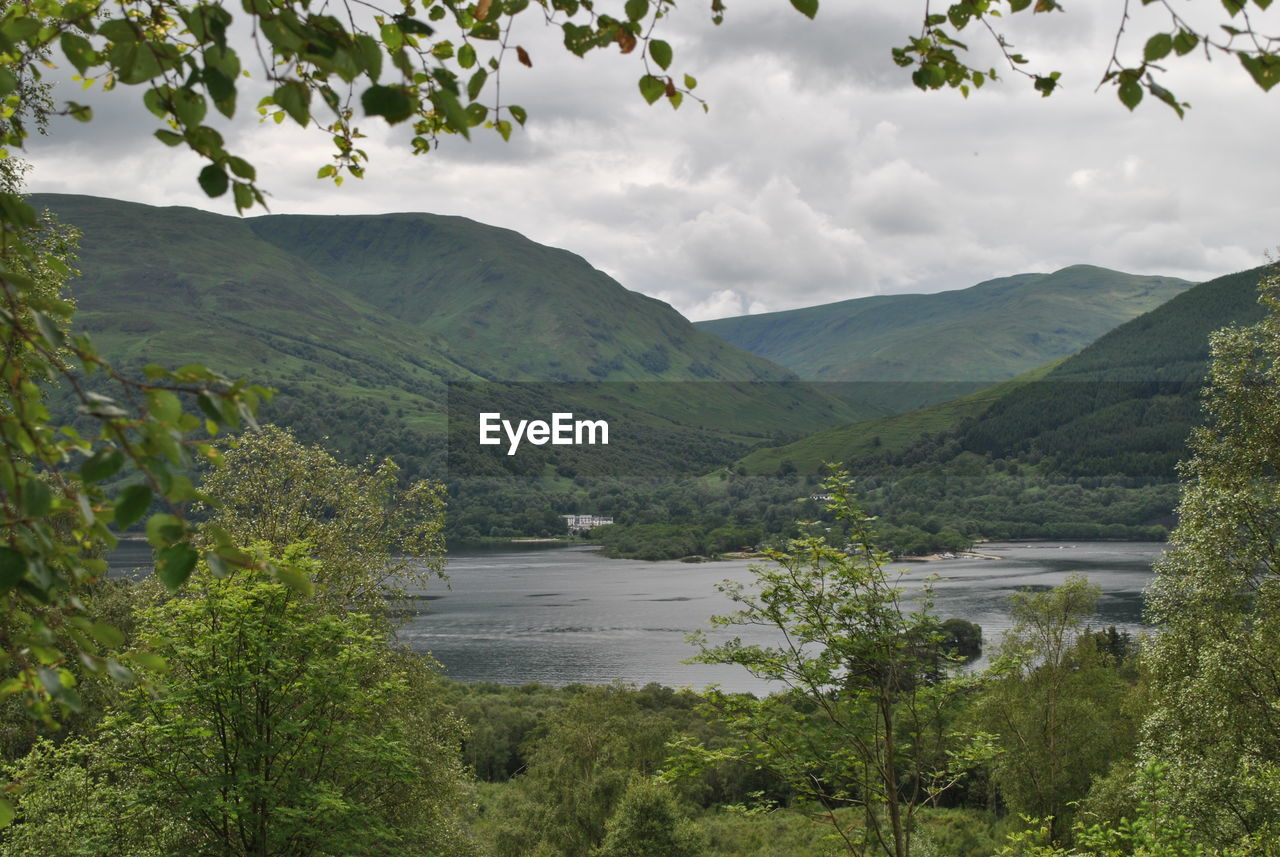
pixel 937 557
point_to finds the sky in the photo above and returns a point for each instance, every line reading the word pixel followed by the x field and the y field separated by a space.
pixel 818 174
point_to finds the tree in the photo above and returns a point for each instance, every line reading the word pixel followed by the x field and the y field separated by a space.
pixel 1215 666
pixel 281 728
pixel 580 764
pixel 861 718
pixel 58 516
pixel 368 538
pixel 1054 701
pixel 647 823
pixel 934 56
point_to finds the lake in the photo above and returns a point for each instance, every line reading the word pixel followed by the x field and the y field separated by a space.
pixel 558 614
pixel 564 614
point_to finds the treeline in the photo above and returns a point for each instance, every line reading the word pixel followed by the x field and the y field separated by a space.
pixel 917 512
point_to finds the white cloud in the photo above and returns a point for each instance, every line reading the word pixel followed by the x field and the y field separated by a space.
pixel 819 173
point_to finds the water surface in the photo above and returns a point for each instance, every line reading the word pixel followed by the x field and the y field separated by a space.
pixel 559 615
pixel 566 614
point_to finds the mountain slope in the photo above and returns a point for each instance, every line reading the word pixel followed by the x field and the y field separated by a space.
pixel 362 322
pixel 505 305
pixel 988 332
pixel 890 434
pixel 1122 406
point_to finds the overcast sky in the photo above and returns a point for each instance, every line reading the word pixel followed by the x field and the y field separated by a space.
pixel 819 174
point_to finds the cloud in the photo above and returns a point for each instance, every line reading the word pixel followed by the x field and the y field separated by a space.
pixel 818 174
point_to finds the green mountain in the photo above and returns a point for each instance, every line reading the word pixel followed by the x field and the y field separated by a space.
pixel 1122 406
pixel 1083 448
pixel 890 434
pixel 361 322
pixel 988 332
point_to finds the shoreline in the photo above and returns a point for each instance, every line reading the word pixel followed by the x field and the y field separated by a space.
pixel 937 557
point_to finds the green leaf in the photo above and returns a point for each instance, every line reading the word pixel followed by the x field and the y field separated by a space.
pixel 242 168
pixel 808 8
pixel 13 567
pixel 456 118
pixel 476 84
pixel 213 181
pixel 1130 93
pixel 150 661
pixel 210 410
pixel 295 99
pixel 690 82
pixel 174 564
pixel 652 88
pixel 1264 69
pixel 8 81
pixel 131 505
pixel 107 635
pixel 119 30
pixel 1157 47
pixel 661 52
pixel 466 55
pixel 120 673
pixel 78 51
pixel 390 102
pixel 103 464
pixel 53 336
pixel 413 26
pixel 6 812
pixel 169 138
pixel 37 498
pixel 163 530
pixel 518 113
pixel 1185 42
pixel 217 564
pixel 221 87
pixel 392 37
pixel 154 100
pixel 294 578
pixel 637 10
pixel 370 55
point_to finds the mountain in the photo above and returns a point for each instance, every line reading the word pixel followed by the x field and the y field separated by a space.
pixel 1122 406
pixel 362 322
pixel 1085 448
pixel 883 435
pixel 988 332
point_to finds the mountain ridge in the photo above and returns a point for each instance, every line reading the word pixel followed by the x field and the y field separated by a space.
pixel 364 362
pixel 989 332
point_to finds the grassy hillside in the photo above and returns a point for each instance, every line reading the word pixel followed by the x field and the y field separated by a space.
pixel 362 322
pixel 986 333
pixel 1124 405
pixel 890 434
pixel 505 306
